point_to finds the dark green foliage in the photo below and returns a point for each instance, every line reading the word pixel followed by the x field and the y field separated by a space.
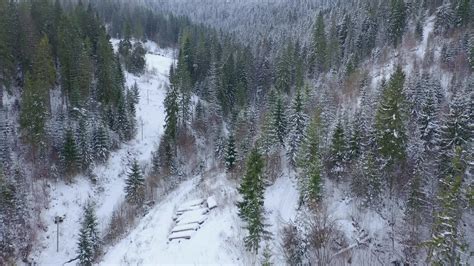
pixel 251 208
pixel 446 246
pixel 390 117
pixel 172 113
pixel 337 153
pixel 7 42
pixel 297 128
pixel 310 183
pixel 135 185
pixel 319 45
pixel 89 239
pixel 70 153
pixel 33 113
pixel 463 12
pixel 100 144
pixel 397 21
pixel 279 121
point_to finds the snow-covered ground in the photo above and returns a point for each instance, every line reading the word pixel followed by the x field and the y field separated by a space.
pixel 68 199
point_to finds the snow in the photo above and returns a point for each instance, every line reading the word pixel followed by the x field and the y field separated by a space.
pixel 211 202
pixel 69 199
pixel 186 227
pixel 181 235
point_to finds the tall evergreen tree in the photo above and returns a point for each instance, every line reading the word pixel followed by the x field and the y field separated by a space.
pixel 172 113
pixel 397 21
pixel 446 246
pixel 70 153
pixel 337 156
pixel 319 45
pixel 251 207
pixel 310 182
pixel 89 239
pixel 279 122
pixel 297 134
pixel 101 144
pixel 135 185
pixel 230 153
pixel 391 136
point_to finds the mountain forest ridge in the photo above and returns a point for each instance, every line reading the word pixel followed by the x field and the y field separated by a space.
pixel 329 132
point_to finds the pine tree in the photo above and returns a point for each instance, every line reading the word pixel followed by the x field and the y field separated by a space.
pixel 445 18
pixel 84 145
pixel 390 135
pixel 172 113
pixel 446 246
pixel 251 207
pixel 397 21
pixel 101 144
pixel 283 72
pixel 135 185
pixel 89 239
pixel 33 113
pixel 463 11
pixel 267 256
pixel 310 183
pixel 279 123
pixel 297 134
pixel 337 153
pixel 319 45
pixel 230 153
pixel 70 153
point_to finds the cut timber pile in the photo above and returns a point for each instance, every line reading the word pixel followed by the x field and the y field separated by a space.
pixel 190 216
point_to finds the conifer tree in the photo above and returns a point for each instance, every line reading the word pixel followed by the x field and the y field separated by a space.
pixel 397 21
pixel 297 134
pixel 319 45
pixel 70 153
pixel 310 182
pixel 84 145
pixel 135 185
pixel 337 156
pixel 89 239
pixel 101 144
pixel 279 123
pixel 251 207
pixel 230 154
pixel 446 246
pixel 390 135
pixel 172 113
pixel 33 113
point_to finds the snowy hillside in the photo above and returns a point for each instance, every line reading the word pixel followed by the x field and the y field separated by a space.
pixel 67 200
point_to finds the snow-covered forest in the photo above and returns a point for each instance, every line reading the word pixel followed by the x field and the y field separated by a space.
pixel 242 132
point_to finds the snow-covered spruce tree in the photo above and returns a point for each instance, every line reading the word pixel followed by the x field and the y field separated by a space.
pixel 447 246
pixel 279 122
pixel 319 45
pixel 135 185
pixel 100 144
pixel 310 183
pixel 283 71
pixel 354 147
pixel 70 154
pixel 455 132
pixel 445 17
pixel 251 207
pixel 297 125
pixel 84 145
pixel 89 239
pixel 337 153
pixel 230 153
pixel 172 113
pixel 397 21
pixel 390 124
pixel 267 256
